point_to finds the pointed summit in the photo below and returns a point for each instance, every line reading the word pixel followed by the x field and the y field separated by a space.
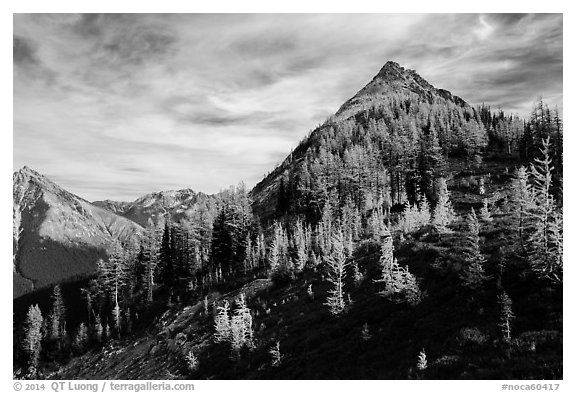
pixel 27 174
pixel 391 71
pixel 26 171
pixel 395 79
pixel 27 181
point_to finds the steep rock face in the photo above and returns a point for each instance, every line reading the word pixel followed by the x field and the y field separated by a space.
pixel 58 236
pixel 152 209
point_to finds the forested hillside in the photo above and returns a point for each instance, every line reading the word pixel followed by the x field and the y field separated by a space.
pixel 411 235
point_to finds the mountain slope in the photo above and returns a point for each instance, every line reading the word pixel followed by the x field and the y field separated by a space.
pixel 57 235
pixel 384 147
pixel 151 209
pixel 396 119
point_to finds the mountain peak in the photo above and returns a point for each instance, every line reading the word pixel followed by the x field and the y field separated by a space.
pixel 393 72
pixel 25 174
pixel 390 69
pixel 393 79
pixel 26 170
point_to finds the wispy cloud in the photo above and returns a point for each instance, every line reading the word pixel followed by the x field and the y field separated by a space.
pixel 115 106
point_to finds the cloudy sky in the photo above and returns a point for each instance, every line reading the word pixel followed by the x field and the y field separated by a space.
pixel 117 106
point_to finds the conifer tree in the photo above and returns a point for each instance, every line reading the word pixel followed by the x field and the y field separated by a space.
pixel 443 212
pixel 33 336
pixel 274 252
pixel 336 264
pixel 386 257
pixel 150 267
pixel 377 227
pixel 424 210
pixel 399 283
pixel 414 217
pixel 241 331
pixel 422 362
pixel 113 276
pixel 98 330
pixel 325 228
pixel 485 214
pixel 281 265
pixel 407 221
pixel 81 337
pixel 276 355
pixel 57 317
pixel 544 252
pixel 506 316
pixel 300 245
pixel 222 323
pixel 472 273
pixel 248 262
pixel 522 201
pixel 192 361
pixel 165 263
pixel 236 329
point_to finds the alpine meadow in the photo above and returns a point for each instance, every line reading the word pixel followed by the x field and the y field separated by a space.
pixel 411 234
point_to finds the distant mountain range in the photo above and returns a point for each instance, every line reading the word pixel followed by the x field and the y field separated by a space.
pixel 152 209
pixel 58 236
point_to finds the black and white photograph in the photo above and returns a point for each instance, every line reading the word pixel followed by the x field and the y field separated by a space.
pixel 287 196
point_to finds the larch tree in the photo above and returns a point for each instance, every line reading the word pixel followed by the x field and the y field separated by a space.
pixel 522 201
pixel 236 329
pixel 300 245
pixel 281 264
pixel 241 330
pixel 422 363
pixel 443 211
pixel 399 283
pixel 506 316
pixel 275 249
pixel 336 264
pixel 113 275
pixel 424 210
pixel 222 323
pixel 192 361
pixel 33 336
pixel 545 252
pixel 414 217
pixel 386 256
pixel 324 229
